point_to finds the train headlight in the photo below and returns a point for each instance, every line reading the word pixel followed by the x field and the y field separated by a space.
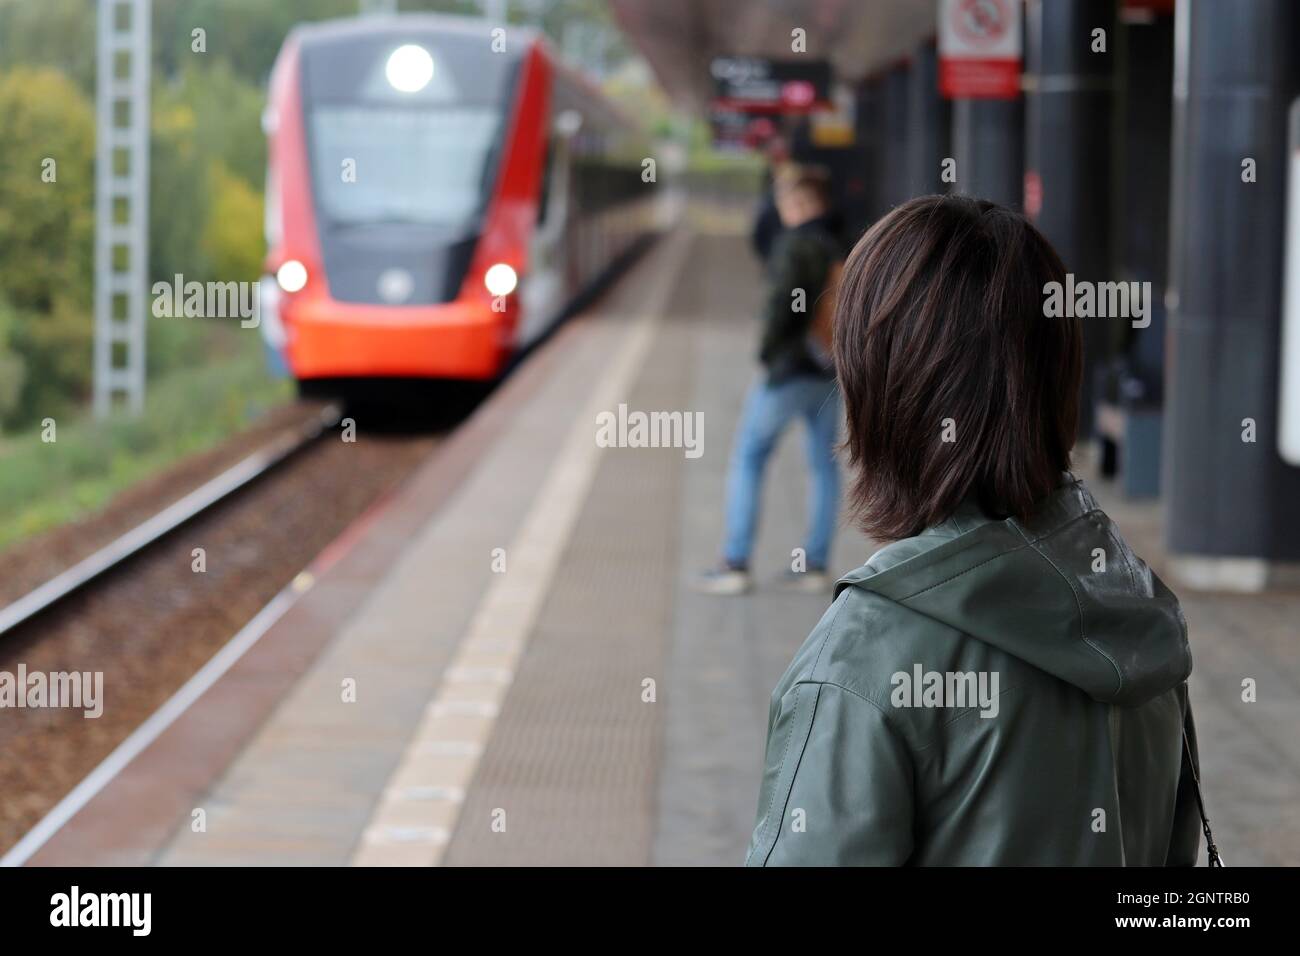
pixel 500 279
pixel 292 276
pixel 409 69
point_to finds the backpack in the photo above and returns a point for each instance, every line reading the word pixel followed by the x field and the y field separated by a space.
pixel 821 328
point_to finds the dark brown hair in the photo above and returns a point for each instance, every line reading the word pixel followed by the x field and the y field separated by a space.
pixel 940 316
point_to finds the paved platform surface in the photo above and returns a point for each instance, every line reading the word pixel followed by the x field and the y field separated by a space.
pixel 507 666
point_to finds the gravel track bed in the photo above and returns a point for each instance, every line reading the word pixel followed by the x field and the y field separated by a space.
pixel 27 564
pixel 149 625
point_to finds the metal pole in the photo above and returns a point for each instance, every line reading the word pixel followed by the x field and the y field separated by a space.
pixel 1230 495
pixel 121 202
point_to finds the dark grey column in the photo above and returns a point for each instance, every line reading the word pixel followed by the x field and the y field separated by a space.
pixel 988 144
pixel 1140 210
pixel 929 124
pixel 871 140
pixel 1237 68
pixel 894 94
pixel 1069 91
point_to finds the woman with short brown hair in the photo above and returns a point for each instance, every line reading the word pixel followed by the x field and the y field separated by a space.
pixel 1004 681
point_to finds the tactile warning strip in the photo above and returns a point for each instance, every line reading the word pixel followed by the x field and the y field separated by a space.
pixel 573 760
pixel 422 803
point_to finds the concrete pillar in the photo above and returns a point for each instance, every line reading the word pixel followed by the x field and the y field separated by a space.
pixel 1140 210
pixel 1233 507
pixel 929 124
pixel 1069 94
pixel 895 88
pixel 988 144
pixel 870 136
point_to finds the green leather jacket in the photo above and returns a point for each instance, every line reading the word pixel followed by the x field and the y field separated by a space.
pixel 987 693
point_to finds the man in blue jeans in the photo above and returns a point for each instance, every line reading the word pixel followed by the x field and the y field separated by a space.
pixel 797 383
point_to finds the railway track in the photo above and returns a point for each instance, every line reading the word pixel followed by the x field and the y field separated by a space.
pixel 137 611
pixel 126 546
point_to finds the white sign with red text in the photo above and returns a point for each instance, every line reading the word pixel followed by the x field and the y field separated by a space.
pixel 979 49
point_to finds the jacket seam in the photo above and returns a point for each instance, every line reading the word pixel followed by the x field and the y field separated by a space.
pixel 948 536
pixel 794 774
pixel 894 732
pixel 767 825
pixel 830 629
pixel 1083 629
pixel 973 567
pixel 849 690
pixel 886 712
pixel 767 819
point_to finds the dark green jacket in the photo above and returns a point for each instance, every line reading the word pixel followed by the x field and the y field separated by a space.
pixel 1080 762
pixel 800 260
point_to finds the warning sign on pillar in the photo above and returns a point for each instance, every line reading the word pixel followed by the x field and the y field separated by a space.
pixel 979 49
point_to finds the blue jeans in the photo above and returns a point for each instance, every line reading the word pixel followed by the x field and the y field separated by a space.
pixel 768 410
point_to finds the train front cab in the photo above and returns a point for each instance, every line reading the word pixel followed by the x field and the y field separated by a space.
pixel 401 184
pixel 433 205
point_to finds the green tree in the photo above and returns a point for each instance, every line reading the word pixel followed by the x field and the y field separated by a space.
pixel 232 239
pixel 245 33
pixel 47 168
pixel 46 236
pixel 227 116
pixel 179 201
pixel 13 370
pixel 52 33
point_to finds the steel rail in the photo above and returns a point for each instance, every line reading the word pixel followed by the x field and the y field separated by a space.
pixel 168 520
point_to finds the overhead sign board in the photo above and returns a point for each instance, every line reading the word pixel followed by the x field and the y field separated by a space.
pixel 730 129
pixel 753 84
pixel 979 49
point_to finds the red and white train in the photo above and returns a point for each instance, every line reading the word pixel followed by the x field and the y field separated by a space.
pixel 439 192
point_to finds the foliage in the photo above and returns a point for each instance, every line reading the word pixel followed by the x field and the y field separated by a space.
pixel 51 33
pixel 227 112
pixel 192 409
pixel 45 117
pixel 179 203
pixel 46 240
pixel 232 239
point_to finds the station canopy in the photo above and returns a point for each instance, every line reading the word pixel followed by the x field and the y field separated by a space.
pixel 681 39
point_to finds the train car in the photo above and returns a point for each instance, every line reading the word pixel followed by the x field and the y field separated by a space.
pixel 439 192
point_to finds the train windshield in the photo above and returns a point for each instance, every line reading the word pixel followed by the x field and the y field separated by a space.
pixel 404 123
pixel 425 167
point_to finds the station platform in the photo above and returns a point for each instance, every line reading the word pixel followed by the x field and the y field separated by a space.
pixel 503 663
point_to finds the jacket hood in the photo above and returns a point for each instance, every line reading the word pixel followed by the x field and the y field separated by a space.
pixel 1062 592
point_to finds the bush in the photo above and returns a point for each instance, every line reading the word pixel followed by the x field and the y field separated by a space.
pixel 233 238
pixel 46 243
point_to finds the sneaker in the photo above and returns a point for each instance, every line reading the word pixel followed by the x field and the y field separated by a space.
pixel 724 580
pixel 812 581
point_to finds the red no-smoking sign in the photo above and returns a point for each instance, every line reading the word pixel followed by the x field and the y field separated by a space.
pixel 979 49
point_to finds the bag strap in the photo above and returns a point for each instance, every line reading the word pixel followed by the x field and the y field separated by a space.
pixel 1211 851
